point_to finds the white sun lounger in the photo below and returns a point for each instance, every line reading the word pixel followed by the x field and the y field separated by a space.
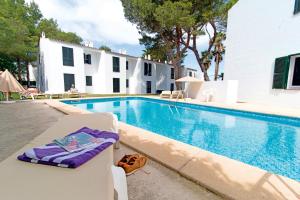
pixel 165 94
pixel 93 180
pixel 177 94
pixel 120 182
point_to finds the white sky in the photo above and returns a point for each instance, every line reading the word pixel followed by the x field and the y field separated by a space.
pixel 97 20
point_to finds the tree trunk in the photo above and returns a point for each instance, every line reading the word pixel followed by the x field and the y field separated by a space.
pixel 27 74
pixel 19 70
pixel 177 72
pixel 203 69
pixel 205 75
pixel 217 69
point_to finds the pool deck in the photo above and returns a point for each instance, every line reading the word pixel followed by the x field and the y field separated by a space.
pixel 229 178
pixel 34 117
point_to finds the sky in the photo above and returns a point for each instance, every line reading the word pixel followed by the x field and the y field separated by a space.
pixel 103 23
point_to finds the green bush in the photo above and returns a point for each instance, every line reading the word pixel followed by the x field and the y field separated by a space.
pixel 13 96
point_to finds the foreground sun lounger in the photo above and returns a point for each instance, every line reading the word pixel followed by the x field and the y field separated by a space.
pixel 120 183
pixel 93 180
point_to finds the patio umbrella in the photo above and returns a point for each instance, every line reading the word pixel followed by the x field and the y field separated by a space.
pixel 8 83
pixel 189 79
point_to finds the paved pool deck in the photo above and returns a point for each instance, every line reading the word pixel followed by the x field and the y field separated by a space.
pixel 230 178
pixel 23 121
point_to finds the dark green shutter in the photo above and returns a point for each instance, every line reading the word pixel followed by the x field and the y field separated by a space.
pixel 116 64
pixel 64 53
pixel 71 57
pixel 150 69
pixel 116 85
pixel 145 69
pixel 67 56
pixel 281 72
pixel 297 6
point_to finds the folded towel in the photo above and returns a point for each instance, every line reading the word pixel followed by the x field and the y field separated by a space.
pixel 52 154
pixel 78 141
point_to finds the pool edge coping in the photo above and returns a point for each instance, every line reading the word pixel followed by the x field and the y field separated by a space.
pixel 193 168
pixel 233 106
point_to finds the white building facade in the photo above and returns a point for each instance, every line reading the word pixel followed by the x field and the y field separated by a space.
pixel 263 51
pixel 99 72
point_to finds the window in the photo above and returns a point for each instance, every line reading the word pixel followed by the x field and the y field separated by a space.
pixel 147 69
pixel 148 87
pixel 297 6
pixel 89 81
pixel 69 81
pixel 287 72
pixel 191 74
pixel 67 56
pixel 172 86
pixel 296 73
pixel 116 85
pixel 127 65
pixel 116 64
pixel 127 83
pixel 87 58
pixel 172 73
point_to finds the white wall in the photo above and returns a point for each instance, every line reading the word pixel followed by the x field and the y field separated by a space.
pixel 163 77
pixel 92 70
pixel 134 74
pixel 51 70
pixel 217 91
pixel 107 68
pixel 144 79
pixel 54 69
pixel 258 32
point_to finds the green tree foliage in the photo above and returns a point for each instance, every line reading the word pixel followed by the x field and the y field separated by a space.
pixel 105 48
pixel 21 25
pixel 17 31
pixel 52 31
pixel 175 26
pixel 155 47
pixel 154 23
pixel 7 62
pixel 207 57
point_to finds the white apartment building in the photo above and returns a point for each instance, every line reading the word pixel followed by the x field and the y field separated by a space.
pixel 263 51
pixel 96 71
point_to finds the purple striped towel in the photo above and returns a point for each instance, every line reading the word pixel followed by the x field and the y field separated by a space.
pixel 52 154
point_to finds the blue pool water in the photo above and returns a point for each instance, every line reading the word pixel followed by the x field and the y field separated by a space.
pixel 266 141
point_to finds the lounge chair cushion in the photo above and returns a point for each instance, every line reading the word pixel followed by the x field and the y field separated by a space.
pixel 166 92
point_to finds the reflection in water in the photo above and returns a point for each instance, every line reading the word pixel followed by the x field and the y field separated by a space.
pixel 211 134
pixel 230 121
pixel 284 139
pixel 263 143
pixel 117 103
pixel 89 106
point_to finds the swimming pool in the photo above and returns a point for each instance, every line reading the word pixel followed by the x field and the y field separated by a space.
pixel 265 141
